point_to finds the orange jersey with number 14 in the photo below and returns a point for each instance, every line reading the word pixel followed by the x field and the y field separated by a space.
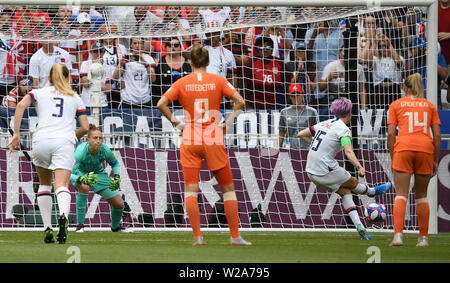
pixel 413 117
pixel 200 94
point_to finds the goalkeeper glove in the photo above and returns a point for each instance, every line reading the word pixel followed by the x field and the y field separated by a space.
pixel 115 182
pixel 89 179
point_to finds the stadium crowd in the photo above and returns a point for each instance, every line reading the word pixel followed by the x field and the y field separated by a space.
pixel 268 64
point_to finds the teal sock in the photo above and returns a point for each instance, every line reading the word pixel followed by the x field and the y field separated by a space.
pixel 116 216
pixel 81 202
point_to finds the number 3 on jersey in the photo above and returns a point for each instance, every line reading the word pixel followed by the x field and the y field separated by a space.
pixel 60 106
pixel 201 107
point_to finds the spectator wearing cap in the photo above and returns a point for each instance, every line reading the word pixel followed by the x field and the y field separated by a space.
pixel 295 118
pixel 96 18
pixel 333 83
pixel 221 59
pixel 263 76
pixel 84 35
pixel 304 72
pixel 417 63
pixel 96 53
pixel 16 94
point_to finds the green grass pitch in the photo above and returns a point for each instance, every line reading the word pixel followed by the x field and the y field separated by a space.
pixel 176 247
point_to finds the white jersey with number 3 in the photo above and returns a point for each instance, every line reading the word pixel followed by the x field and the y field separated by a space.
pixel 325 145
pixel 56 114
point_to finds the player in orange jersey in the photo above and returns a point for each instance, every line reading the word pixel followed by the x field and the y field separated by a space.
pixel 413 151
pixel 200 94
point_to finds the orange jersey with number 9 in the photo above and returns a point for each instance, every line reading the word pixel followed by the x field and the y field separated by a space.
pixel 200 94
pixel 413 117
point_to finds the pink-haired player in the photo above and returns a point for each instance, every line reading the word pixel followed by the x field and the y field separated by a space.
pixel 326 139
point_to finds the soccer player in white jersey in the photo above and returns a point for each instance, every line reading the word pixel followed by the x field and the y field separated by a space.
pixel 326 139
pixel 53 144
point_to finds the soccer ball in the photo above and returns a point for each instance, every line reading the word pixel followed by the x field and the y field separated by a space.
pixel 375 212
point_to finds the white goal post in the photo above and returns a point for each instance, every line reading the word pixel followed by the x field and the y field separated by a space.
pixel 431 64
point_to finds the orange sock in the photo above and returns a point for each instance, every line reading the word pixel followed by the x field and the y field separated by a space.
pixel 232 214
pixel 423 214
pixel 193 212
pixel 399 214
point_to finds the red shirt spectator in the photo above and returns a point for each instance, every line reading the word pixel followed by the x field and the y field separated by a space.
pixel 444 28
pixel 263 76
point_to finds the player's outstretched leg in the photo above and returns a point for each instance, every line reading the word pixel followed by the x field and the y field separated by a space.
pixel 362 189
pixel 383 188
pixel 63 231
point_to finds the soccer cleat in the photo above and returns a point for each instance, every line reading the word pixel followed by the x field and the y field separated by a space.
pixel 363 232
pixel 121 229
pixel 397 241
pixel 423 242
pixel 49 237
pixel 199 242
pixel 381 189
pixel 80 228
pixel 63 232
pixel 239 242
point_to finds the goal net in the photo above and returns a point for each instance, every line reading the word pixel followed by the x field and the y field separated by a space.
pixel 289 63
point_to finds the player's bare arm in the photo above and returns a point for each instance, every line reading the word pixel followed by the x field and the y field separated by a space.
pixel 305 135
pixel 163 106
pixel 238 106
pixel 18 115
pixel 348 150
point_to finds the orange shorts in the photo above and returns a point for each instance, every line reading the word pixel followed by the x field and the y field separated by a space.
pixel 416 162
pixel 223 176
pixel 216 156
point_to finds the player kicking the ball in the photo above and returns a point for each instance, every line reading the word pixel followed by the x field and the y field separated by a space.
pixel 326 139
pixel 88 172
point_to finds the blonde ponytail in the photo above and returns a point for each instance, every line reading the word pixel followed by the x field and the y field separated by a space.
pixel 414 85
pixel 59 74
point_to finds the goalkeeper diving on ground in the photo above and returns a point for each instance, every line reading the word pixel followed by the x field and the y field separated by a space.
pixel 88 173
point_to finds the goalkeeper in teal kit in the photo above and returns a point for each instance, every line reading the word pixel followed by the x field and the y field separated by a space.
pixel 89 173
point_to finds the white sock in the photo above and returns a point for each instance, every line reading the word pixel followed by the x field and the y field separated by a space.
pixel 362 189
pixel 45 203
pixel 63 197
pixel 350 208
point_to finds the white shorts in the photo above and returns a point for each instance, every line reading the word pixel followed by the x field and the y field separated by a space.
pixel 53 154
pixel 331 181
